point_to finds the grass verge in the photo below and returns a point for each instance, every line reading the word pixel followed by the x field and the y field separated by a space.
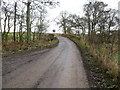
pixel 20 47
pixel 100 74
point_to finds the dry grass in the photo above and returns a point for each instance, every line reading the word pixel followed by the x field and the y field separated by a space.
pixel 16 47
pixel 104 54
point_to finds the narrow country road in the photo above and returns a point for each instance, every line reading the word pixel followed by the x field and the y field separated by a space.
pixel 59 67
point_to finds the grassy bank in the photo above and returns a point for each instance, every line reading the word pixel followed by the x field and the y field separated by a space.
pixel 101 62
pixel 10 48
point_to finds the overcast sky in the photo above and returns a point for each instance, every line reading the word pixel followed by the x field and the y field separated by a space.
pixel 75 7
pixel 72 6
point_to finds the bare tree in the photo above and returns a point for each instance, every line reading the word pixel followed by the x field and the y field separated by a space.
pixel 62 21
pixel 15 11
pixel 28 21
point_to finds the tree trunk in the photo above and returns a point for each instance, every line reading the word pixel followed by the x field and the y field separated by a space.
pixel 28 23
pixel 89 29
pixel 20 32
pixel 6 35
pixel 15 7
pixel 33 35
pixel 3 34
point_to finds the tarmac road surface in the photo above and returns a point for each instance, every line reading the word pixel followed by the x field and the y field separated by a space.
pixel 58 67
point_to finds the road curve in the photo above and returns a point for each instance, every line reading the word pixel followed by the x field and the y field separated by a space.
pixel 59 67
